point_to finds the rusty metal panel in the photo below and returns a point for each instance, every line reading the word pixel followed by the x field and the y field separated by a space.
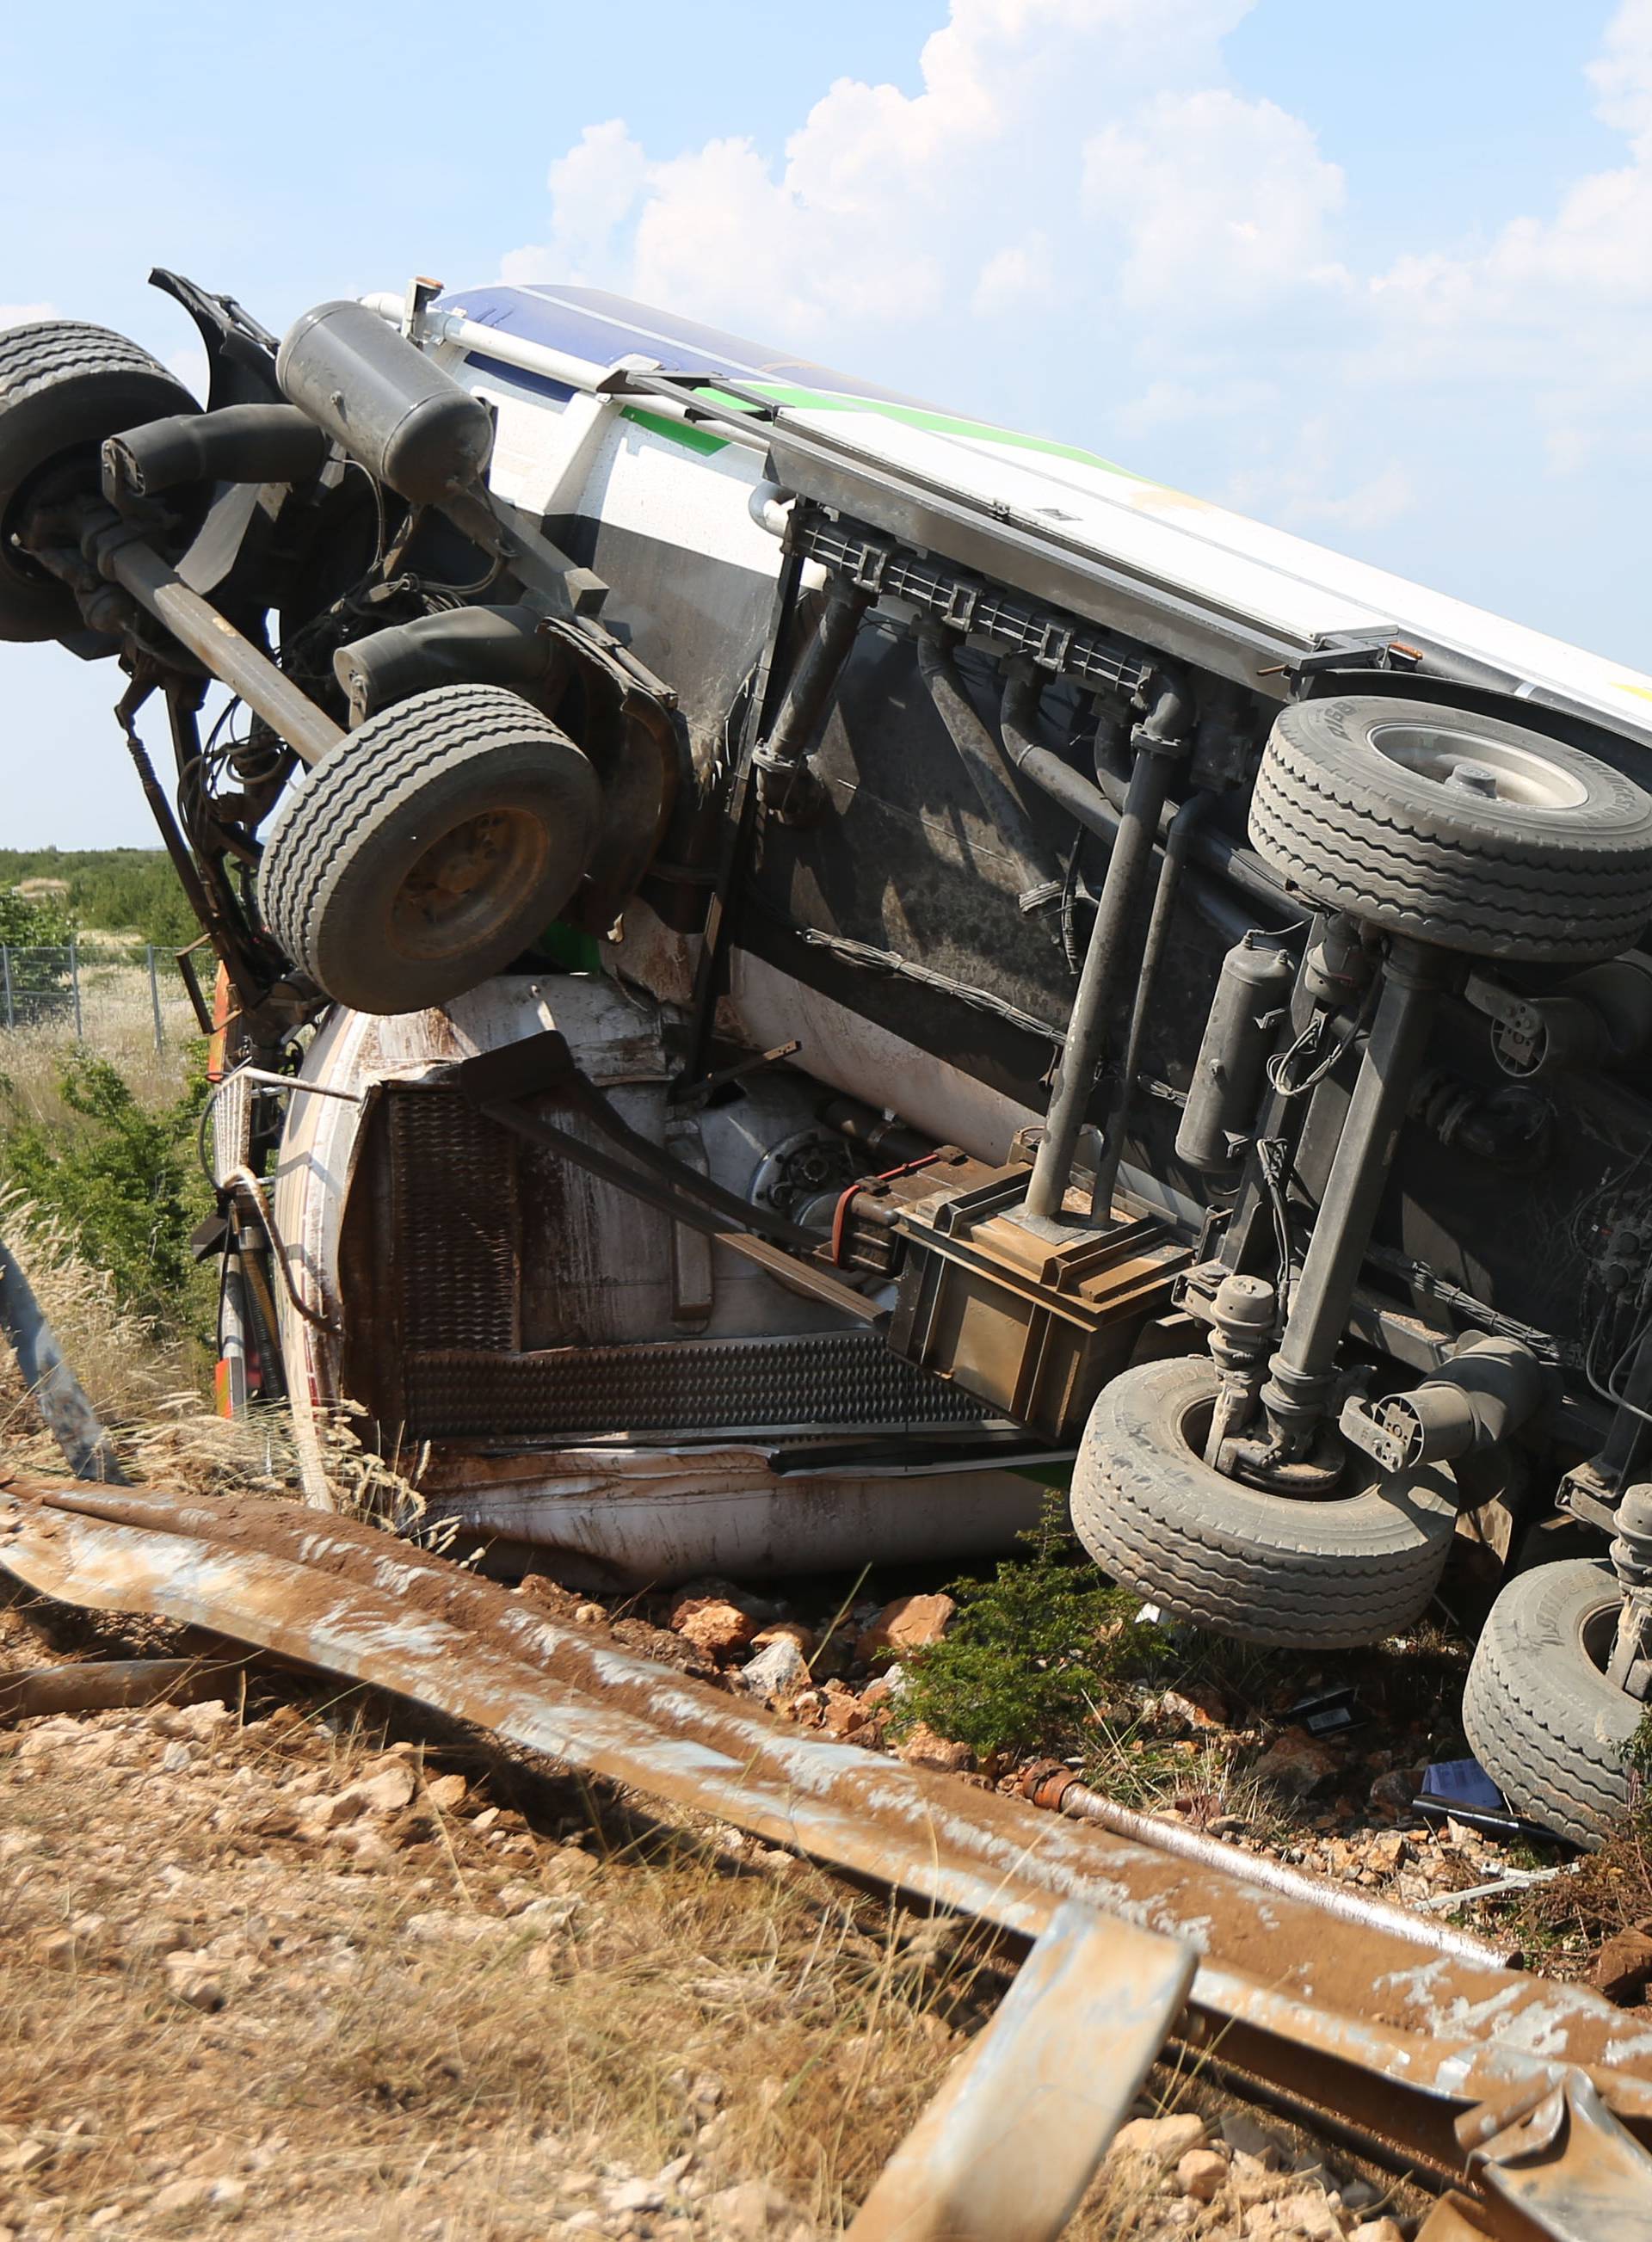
pixel 1008 2147
pixel 455 1225
pixel 733 1387
pixel 1557 2163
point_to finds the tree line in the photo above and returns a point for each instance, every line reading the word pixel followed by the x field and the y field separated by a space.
pixel 114 890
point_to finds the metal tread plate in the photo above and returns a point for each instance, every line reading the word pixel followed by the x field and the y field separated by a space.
pixel 733 1387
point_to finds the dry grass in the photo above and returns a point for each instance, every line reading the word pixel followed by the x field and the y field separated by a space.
pixel 1565 1921
pixel 118 1026
pixel 130 1378
pixel 357 2080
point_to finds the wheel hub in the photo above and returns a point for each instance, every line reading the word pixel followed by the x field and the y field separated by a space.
pixel 466 881
pixel 1468 763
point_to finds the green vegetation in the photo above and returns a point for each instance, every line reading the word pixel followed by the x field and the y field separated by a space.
pixel 122 1180
pixel 117 890
pixel 1639 1756
pixel 1031 1653
pixel 34 922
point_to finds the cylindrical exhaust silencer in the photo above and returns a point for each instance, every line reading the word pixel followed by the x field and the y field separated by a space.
pixel 1227 1088
pixel 409 424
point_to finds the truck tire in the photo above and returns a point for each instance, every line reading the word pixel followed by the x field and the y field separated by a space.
pixel 428 849
pixel 1458 830
pixel 1305 1574
pixel 63 387
pixel 1540 1715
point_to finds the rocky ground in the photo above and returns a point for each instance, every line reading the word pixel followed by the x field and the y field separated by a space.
pixel 1230 1748
pixel 271 1965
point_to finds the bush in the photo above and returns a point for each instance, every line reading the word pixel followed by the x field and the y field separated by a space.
pixel 121 1178
pixel 34 922
pixel 1031 1653
pixel 1639 1756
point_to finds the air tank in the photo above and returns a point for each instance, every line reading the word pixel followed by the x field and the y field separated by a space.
pixel 1251 989
pixel 409 424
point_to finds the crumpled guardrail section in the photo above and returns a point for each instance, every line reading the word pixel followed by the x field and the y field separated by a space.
pixel 1386 2036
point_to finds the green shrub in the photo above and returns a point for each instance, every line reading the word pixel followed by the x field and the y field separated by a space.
pixel 121 1178
pixel 34 922
pixel 1639 1757
pixel 1031 1653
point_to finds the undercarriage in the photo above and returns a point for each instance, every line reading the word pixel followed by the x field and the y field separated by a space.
pixel 775 985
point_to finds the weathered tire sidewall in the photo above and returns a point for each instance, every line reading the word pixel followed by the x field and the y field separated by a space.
pixel 344 840
pixel 1344 824
pixel 1540 1716
pixel 1339 732
pixel 358 906
pixel 1235 1559
pixel 64 387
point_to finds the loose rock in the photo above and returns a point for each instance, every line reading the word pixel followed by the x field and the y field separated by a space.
pixel 906 1624
pixel 1296 1762
pixel 921 1747
pixel 778 1671
pixel 1623 1967
pixel 1196 1705
pixel 751 2212
pixel 1202 2173
pixel 1164 2141
pixel 712 1625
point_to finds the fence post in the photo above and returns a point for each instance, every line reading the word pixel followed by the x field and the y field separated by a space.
pixel 74 976
pixel 5 965
pixel 155 998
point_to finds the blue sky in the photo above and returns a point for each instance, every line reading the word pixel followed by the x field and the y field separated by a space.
pixel 1381 276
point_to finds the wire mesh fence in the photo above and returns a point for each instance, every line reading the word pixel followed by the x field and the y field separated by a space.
pixel 108 994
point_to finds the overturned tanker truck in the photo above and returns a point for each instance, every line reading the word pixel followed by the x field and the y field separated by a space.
pixel 790 963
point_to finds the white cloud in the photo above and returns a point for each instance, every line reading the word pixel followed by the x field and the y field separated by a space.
pixel 1015 278
pixel 1590 260
pixel 1077 222
pixel 1214 201
pixel 1309 485
pixel 888 208
pixel 594 189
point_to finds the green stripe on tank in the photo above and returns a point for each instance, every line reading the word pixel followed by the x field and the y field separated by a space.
pixel 912 416
pixel 940 424
pixel 692 440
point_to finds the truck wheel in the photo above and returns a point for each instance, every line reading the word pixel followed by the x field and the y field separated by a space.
pixel 428 849
pixel 63 388
pixel 1458 830
pixel 1540 1715
pixel 1297 1574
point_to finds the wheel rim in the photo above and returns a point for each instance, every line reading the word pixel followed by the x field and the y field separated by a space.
pixel 1469 766
pixel 1597 1632
pixel 469 884
pixel 1193 1429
